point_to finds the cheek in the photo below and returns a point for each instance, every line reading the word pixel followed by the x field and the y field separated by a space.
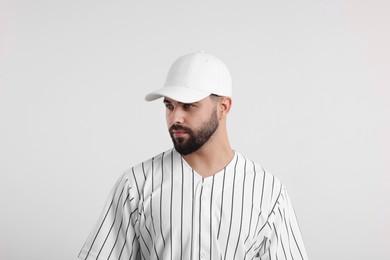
pixel 197 121
pixel 167 118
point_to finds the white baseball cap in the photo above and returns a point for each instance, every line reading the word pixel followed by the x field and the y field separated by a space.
pixel 193 77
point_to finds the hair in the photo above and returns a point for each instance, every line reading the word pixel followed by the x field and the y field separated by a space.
pixel 214 97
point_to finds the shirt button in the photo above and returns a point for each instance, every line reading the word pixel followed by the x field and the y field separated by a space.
pixel 202 254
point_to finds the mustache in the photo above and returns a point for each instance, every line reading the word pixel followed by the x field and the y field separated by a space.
pixel 179 127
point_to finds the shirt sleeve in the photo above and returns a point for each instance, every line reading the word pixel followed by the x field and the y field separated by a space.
pixel 114 236
pixel 283 239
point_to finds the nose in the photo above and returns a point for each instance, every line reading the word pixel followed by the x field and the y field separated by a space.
pixel 176 116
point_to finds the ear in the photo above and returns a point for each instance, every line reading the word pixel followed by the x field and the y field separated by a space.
pixel 225 103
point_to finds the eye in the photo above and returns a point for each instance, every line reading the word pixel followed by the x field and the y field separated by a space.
pixel 169 106
pixel 188 106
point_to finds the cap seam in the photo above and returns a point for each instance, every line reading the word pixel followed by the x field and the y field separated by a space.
pixel 218 74
pixel 189 78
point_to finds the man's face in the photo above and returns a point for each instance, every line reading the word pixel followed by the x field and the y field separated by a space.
pixel 191 124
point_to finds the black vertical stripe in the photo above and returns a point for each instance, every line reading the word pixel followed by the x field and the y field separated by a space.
pixel 220 214
pixel 281 242
pixel 262 190
pixel 151 199
pixel 143 170
pixel 132 247
pixel 277 240
pixel 211 219
pixel 171 204
pixel 146 244
pixel 127 198
pixel 200 217
pixel 231 209
pixel 257 223
pixel 147 229
pixel 288 233
pixel 261 201
pixel 192 213
pixel 142 254
pixel 273 186
pixel 276 202
pixel 132 244
pixel 242 210
pixel 296 242
pixel 136 184
pixel 161 197
pixel 181 210
pixel 155 251
pixel 253 191
pixel 262 228
pixel 269 250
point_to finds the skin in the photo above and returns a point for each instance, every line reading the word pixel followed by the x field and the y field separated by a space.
pixel 216 153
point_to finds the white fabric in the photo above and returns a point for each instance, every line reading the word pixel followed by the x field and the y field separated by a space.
pixel 162 209
pixel 193 77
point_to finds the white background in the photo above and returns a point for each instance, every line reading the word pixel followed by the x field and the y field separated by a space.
pixel 311 104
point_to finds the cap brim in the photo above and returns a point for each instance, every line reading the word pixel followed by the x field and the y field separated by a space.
pixel 180 94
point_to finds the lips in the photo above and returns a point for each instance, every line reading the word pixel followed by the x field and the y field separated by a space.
pixel 178 133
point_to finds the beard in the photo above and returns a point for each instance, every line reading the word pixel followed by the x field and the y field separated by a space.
pixel 196 138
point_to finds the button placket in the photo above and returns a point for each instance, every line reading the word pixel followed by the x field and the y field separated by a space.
pixel 205 222
pixel 206 191
pixel 196 227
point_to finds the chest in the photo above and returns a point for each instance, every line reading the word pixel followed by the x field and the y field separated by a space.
pixel 183 213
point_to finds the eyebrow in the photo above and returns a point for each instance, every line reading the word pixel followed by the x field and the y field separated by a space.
pixel 180 103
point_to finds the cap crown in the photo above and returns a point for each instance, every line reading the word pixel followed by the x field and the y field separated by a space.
pixel 200 71
pixel 193 77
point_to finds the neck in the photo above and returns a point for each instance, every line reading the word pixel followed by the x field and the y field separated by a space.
pixel 213 156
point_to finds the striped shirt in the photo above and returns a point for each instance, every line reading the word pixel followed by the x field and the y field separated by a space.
pixel 163 209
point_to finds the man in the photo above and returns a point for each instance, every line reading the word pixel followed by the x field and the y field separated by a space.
pixel 200 200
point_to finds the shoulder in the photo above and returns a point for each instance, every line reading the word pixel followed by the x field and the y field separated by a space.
pixel 258 169
pixel 145 168
pixel 267 182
